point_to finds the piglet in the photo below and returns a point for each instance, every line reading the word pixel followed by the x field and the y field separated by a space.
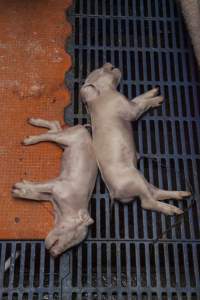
pixel 111 116
pixel 71 191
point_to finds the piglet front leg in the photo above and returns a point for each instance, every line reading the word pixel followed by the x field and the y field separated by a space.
pixel 53 126
pixel 34 191
pixel 139 105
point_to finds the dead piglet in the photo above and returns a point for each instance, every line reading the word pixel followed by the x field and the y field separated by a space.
pixel 111 116
pixel 70 192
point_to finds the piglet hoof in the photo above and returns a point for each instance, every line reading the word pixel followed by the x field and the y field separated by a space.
pixel 157 101
pixel 18 185
pixel 183 194
pixel 155 91
pixel 32 121
pixel 152 93
pixel 17 193
pixel 23 184
pixel 170 210
pixel 173 210
pixel 165 208
pixel 28 141
pixel 26 182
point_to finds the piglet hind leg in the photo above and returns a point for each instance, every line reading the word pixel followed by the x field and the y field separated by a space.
pixel 151 196
pixel 157 195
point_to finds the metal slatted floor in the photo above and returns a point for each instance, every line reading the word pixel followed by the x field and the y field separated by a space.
pixel 123 257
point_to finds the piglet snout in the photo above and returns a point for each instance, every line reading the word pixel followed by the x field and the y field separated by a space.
pixel 53 248
pixel 55 252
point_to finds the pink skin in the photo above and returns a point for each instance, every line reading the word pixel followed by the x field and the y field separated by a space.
pixel 111 116
pixel 71 191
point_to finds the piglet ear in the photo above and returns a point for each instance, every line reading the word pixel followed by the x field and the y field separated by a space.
pixel 85 217
pixel 89 92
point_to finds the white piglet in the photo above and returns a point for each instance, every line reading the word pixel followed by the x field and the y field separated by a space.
pixel 71 191
pixel 111 116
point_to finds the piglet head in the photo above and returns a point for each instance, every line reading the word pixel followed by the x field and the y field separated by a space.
pixel 69 233
pixel 104 78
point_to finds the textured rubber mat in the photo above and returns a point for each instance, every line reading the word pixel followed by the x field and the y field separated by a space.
pixel 33 63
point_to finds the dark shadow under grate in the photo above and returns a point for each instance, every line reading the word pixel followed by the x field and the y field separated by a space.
pixel 147 40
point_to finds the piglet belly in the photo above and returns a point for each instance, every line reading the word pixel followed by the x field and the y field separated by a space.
pixel 115 148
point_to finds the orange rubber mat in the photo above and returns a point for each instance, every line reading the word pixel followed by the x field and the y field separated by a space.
pixel 32 67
